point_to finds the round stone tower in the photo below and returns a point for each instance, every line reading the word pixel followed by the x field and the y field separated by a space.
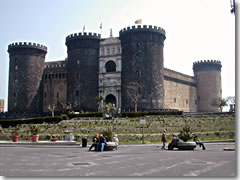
pixel 82 70
pixel 209 86
pixel 142 68
pixel 25 77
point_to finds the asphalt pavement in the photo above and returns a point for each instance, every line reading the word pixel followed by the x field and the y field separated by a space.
pixel 146 160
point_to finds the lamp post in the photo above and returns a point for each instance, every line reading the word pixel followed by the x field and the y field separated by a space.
pixel 232 3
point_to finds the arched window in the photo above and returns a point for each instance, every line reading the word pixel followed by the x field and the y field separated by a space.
pixel 110 66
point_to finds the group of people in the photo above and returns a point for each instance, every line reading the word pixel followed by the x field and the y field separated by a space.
pixel 99 142
pixel 174 143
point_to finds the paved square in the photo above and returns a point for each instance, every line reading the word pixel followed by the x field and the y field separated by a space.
pixel 129 160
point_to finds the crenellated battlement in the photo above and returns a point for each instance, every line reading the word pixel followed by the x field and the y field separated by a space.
pixel 27 45
pixel 207 65
pixel 142 28
pixel 207 62
pixel 83 36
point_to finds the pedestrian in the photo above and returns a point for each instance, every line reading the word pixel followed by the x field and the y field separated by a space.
pixel 94 144
pixel 115 139
pixel 103 142
pixel 195 139
pixel 164 140
pixel 174 143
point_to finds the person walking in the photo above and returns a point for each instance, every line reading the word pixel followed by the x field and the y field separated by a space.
pixel 164 140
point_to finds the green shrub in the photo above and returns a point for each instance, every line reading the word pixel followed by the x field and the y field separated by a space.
pixel 140 114
pixel 87 114
pixel 107 134
pixel 38 120
pixel 185 133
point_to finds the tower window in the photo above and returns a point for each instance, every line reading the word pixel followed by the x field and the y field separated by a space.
pixel 110 66
pixel 52 76
pixel 108 51
pixel 56 76
pixel 45 76
pixel 60 75
pixel 57 95
pixel 187 101
pixel 63 75
pixel 49 76
pixel 175 100
pixel 77 75
pixel 77 93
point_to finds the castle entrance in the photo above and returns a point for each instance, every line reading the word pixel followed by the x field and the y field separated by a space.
pixel 110 99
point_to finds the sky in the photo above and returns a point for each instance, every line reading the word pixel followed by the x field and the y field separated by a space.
pixel 195 29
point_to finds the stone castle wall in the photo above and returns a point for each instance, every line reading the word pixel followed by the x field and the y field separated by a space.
pixel 180 91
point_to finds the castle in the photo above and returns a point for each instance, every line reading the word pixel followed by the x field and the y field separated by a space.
pixel 128 70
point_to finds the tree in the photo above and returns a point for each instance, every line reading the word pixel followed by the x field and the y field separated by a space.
pixel 52 107
pixel 68 107
pixel 220 103
pixel 110 110
pixel 100 101
pixel 231 102
pixel 133 91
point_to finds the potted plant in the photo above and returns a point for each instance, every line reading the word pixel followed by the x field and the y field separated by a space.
pixel 15 134
pixel 35 129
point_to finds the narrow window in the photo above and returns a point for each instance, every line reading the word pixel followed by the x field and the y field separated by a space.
pixel 52 76
pixel 77 93
pixel 49 76
pixel 45 76
pixel 57 95
pixel 60 75
pixel 63 75
pixel 77 75
pixel 56 76
pixel 45 95
pixel 187 101
pixel 195 102
pixel 175 100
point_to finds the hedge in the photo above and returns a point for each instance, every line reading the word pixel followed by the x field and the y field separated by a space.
pixel 87 114
pixel 39 120
pixel 140 114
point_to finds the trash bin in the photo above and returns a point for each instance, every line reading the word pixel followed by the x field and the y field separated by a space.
pixel 84 142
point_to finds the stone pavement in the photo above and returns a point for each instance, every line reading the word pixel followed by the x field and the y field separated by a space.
pixel 130 160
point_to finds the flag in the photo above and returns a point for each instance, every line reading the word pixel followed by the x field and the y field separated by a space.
pixel 83 28
pixel 139 21
pixel 101 26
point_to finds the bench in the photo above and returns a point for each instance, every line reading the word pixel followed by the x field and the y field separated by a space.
pixel 110 146
pixel 186 145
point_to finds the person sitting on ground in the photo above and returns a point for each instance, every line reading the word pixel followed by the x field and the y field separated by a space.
pixel 195 139
pixel 94 144
pixel 174 143
pixel 115 139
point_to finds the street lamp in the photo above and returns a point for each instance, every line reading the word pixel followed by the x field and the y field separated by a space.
pixel 232 3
